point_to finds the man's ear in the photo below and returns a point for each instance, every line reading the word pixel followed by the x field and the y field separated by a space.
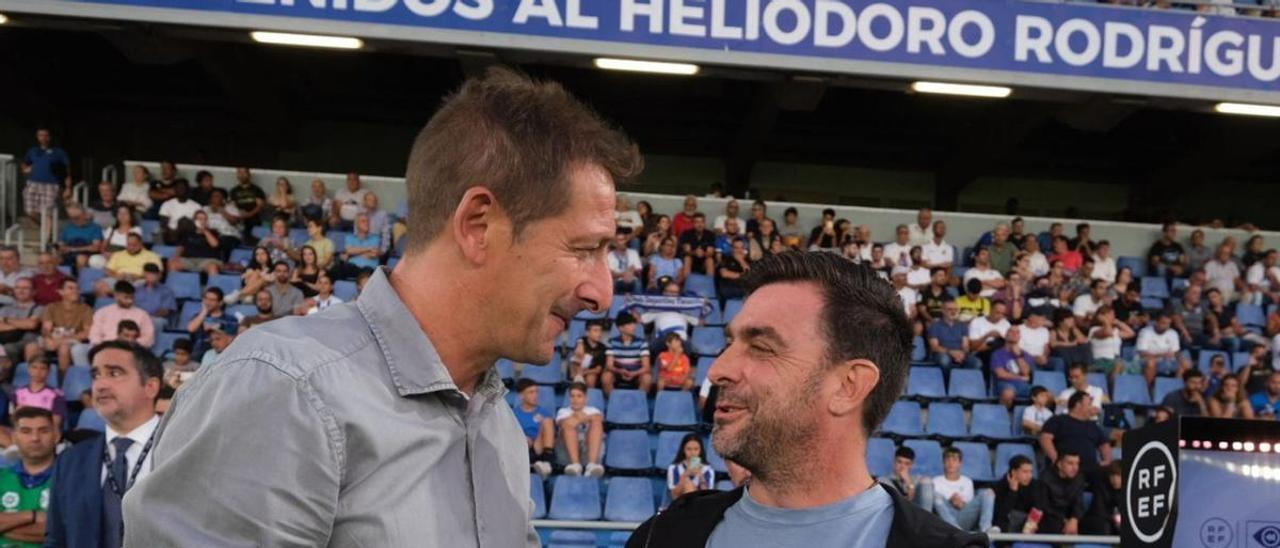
pixel 477 222
pixel 857 379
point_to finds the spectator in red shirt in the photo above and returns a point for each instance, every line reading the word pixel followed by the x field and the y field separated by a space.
pixel 684 220
pixel 1071 259
pixel 47 279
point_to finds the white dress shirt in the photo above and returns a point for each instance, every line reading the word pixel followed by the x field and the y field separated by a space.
pixel 140 436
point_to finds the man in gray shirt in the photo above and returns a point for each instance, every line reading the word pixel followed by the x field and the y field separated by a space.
pixel 285 298
pixel 382 422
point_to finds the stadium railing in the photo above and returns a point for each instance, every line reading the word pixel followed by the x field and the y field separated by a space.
pixel 1000 537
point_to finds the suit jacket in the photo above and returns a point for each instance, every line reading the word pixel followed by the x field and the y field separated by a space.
pixel 74 519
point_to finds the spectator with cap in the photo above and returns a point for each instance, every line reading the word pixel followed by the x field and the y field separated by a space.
pixel 1160 349
pixel 1076 433
pixel 955 499
pixel 1166 256
pixel 624 264
pixel 937 252
pixel 917 489
pixel 626 362
pixel 1015 495
pixel 211 317
pixel 106 320
pixel 538 427
pixel 64 324
pixel 1188 401
pixel 949 340
pixel 1061 496
pixel 582 431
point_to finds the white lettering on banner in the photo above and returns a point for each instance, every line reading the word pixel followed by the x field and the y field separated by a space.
pixel 773 24
pixel 546 9
pixel 896 27
pixel 1092 42
pixel 822 36
pixel 720 29
pixel 1213 54
pixel 575 19
pixel 678 14
pixel 1113 34
pixel 651 9
pixel 919 34
pixel 1033 35
pixel 1158 51
pixel 1195 46
pixel 1255 59
pixel 427 8
pixel 986 34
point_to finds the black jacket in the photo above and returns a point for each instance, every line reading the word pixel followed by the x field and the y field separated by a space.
pixel 691 519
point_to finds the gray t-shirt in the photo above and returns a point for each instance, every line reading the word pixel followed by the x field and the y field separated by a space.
pixel 283 301
pixel 861 520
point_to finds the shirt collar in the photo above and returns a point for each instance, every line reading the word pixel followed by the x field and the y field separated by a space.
pixel 139 435
pixel 415 366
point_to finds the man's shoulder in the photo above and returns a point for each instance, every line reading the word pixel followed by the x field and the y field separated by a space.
pixel 299 345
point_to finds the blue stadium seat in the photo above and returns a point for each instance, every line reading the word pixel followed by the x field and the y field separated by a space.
pixel 544 374
pixel 629 500
pixel 241 255
pixel 704 366
pixel 65 269
pixel 1251 316
pixel 165 252
pixel 299 236
pixel 928 457
pixel 919 350
pixel 339 240
pixel 506 369
pixel 1165 385
pixel 926 383
pixel 164 342
pixel 102 302
pixel 1153 303
pixel 707 341
pixel 89 276
pixel 595 397
pixel 946 420
pixel 714 458
pixel 668 446
pixel 617 306
pixel 1155 286
pixel 880 456
pixel 185 285
pixel 714 317
pixel 577 328
pixel 1015 428
pixel 1099 380
pixel 346 290
pixel 968 384
pixel 570 539
pixel 91 420
pixel 1054 381
pixel 1238 361
pixel 674 410
pixel 243 310
pixel 150 227
pixel 575 498
pixel 731 309
pixel 977 460
pixel 1006 451
pixel 260 231
pixel 1131 390
pixel 188 312
pixel 991 421
pixel 1135 264
pixel 627 408
pixel 619 538
pixel 1206 358
pixel 538 493
pixel 903 419
pixel 391 263
pixel 628 450
pixel 79 379
pixel 226 282
pixel 1178 285
pixel 700 285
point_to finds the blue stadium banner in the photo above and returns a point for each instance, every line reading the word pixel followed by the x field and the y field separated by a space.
pixel 1015 42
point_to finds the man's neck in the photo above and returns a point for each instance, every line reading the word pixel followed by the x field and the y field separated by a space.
pixel 36 466
pixel 952 477
pixel 809 483
pixel 34 386
pixel 1080 416
pixel 129 424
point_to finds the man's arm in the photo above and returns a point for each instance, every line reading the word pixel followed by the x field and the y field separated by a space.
pixel 1046 445
pixel 210 486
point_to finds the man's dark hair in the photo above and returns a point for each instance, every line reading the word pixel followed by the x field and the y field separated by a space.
pixel 31 412
pixel 218 192
pixel 1193 373
pixel 1097 283
pixel 1103 242
pixel 202 175
pixel 581 386
pixel 1081 226
pixel 127 325
pixel 700 215
pixel 124 287
pixel 1018 461
pixel 1036 390
pixel 64 283
pixel 937 269
pixel 791 211
pixel 952 451
pixel 853 295
pixel 829 212
pixel 1166 226
pixel 524 384
pixel 1077 365
pixel 147 364
pixel 1064 453
pixel 974 286
pixel 183 344
pixel 905 452
pixel 522 138
pixel 278 264
pixel 216 291
pixel 1075 399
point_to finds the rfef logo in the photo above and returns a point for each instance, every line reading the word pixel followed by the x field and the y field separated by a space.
pixel 1153 477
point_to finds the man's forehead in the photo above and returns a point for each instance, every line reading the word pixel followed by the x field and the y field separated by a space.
pixel 784 307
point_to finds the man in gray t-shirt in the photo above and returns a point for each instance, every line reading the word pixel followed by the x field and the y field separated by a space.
pixel 19 321
pixel 285 298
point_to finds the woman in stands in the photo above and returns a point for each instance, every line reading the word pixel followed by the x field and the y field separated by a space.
pixel 137 192
pixel 675 372
pixel 1124 279
pixel 1253 250
pixel 647 218
pixel 307 276
pixel 689 470
pixel 281 203
pixel 257 274
pixel 1067 341
pixel 278 242
pixel 659 230
pixel 1230 402
pixel 114 238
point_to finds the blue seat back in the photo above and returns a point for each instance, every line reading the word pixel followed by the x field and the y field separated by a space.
pixel 1251 315
pixel 668 447
pixel 707 341
pixel 704 366
pixel 346 290
pixel 538 493
pixel 91 420
pixel 1155 286
pixel 629 500
pixel 968 384
pixel 544 374
pixel 1165 385
pixel 627 408
pixel 1006 451
pixel 1099 380
pixel 226 282
pixel 674 409
pixel 575 498
pixel 991 421
pixel 880 456
pixel 628 450
pixel 731 309
pixel 78 380
pixel 903 419
pixel 926 382
pixel 164 251
pixel 977 460
pixel 241 255
pixel 185 285
pixel 88 277
pixel 946 419
pixel 1132 389
pixel 700 285
pixel 1135 264
pixel 1053 381
pixel 928 456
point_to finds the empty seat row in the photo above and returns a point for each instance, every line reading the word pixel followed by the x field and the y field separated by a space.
pixel 978 462
pixel 947 420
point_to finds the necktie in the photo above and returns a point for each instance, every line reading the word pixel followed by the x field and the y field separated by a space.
pixel 113 518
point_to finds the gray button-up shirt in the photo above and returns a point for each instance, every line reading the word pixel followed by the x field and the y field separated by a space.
pixel 338 429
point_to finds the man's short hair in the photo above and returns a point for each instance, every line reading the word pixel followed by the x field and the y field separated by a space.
pixel 933 271
pixel 1037 390
pixel 905 452
pixel 1075 399
pixel 1193 373
pixel 183 344
pixel 1064 453
pixel 519 137
pixel 166 392
pixel 524 384
pixel 624 318
pixel 952 452
pixel 216 291
pixel 1103 243
pixel 1077 365
pixel 202 175
pixel 31 412
pixel 791 211
pixel 1018 461
pixel 147 364
pixel 974 285
pixel 700 215
pixel 127 325
pixel 124 287
pixel 580 386
pixel 278 264
pixel 150 267
pixel 829 211
pixel 852 295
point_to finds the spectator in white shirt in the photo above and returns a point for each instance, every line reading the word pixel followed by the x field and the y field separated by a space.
pixel 582 431
pixel 909 296
pixel 1079 379
pixel 898 252
pixel 1038 262
pixel 1222 273
pixel 992 280
pixel 1035 336
pixel 955 500
pixel 1263 279
pixel 624 264
pixel 137 192
pixel 669 321
pixel 919 276
pixel 921 231
pixel 938 253
pixel 1160 350
pixel 223 218
pixel 347 203
pixel 1104 265
pixel 730 212
pixel 1087 304
pixel 1036 414
pixel 180 207
pixel 987 332
pixel 1106 338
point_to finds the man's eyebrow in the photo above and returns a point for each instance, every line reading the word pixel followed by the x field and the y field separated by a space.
pixel 762 332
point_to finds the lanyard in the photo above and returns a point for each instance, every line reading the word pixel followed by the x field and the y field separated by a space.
pixel 137 467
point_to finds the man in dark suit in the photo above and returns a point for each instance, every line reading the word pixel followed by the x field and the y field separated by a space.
pixel 90 479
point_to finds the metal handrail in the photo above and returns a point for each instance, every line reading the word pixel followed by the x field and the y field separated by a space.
pixel 8 235
pixel 80 193
pixel 998 537
pixel 110 173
